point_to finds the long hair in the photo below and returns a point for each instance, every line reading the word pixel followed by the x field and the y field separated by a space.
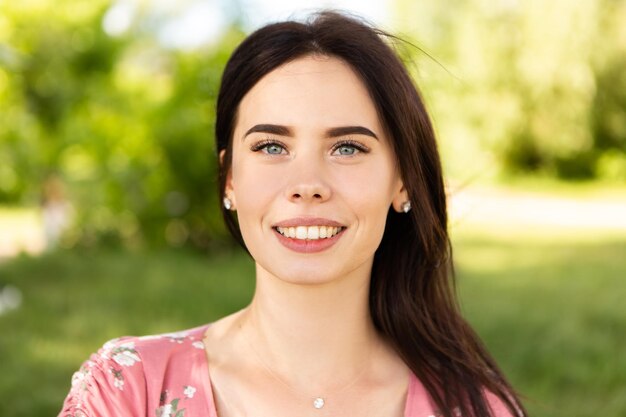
pixel 412 296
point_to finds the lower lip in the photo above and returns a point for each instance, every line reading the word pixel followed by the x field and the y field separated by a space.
pixel 308 245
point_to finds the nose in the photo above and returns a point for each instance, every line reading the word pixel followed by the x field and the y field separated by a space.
pixel 307 184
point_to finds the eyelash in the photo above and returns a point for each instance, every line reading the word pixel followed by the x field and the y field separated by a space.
pixel 349 142
pixel 267 142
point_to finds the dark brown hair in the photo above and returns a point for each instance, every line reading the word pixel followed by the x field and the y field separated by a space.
pixel 412 297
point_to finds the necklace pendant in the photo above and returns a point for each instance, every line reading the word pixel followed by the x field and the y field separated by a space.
pixel 318 402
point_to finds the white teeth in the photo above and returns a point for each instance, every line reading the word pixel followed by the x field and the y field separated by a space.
pixel 309 232
pixel 301 232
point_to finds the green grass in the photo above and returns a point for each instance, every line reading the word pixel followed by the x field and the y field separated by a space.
pixel 75 301
pixel 549 309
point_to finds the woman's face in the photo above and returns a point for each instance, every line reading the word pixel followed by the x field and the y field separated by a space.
pixel 313 174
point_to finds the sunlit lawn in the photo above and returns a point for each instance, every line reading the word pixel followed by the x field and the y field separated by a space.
pixel 550 306
pixel 73 302
pixel 550 309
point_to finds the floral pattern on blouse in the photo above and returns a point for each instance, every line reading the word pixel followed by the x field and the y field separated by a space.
pixel 125 354
pixel 115 378
pixel 168 376
pixel 170 409
pixel 189 391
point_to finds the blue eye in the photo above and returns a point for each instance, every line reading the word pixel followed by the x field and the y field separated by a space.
pixel 346 150
pixel 349 148
pixel 268 147
pixel 273 149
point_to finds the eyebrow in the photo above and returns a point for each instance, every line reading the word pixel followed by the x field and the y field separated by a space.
pixel 349 130
pixel 330 133
pixel 271 129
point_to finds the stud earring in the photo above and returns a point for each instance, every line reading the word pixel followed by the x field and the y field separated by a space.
pixel 406 206
pixel 227 203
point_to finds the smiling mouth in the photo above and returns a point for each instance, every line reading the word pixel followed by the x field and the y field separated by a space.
pixel 309 232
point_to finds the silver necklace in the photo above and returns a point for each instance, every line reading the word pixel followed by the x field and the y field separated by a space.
pixel 320 401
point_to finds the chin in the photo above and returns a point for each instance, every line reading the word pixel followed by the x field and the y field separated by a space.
pixel 298 273
pixel 308 277
pixel 313 273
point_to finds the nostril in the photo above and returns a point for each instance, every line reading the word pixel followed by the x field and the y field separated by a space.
pixel 305 196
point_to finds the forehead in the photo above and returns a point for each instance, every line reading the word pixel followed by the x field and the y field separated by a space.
pixel 310 92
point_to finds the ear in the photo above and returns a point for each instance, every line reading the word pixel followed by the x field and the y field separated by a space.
pixel 401 196
pixel 228 188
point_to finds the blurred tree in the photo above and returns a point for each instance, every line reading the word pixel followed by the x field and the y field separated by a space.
pixel 55 57
pixel 609 104
pixel 538 88
pixel 126 123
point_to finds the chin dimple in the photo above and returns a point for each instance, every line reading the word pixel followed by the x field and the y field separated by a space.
pixel 309 232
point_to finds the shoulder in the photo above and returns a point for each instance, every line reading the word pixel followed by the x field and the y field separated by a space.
pixel 128 375
pixel 419 402
pixel 111 380
pixel 155 349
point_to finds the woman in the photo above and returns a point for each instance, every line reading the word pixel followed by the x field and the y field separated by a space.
pixel 331 180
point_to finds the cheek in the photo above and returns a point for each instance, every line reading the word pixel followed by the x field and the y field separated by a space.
pixel 254 187
pixel 369 193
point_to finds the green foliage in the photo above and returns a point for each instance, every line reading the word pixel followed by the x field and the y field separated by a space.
pixel 128 125
pixel 125 123
pixel 51 65
pixel 540 86
pixel 609 120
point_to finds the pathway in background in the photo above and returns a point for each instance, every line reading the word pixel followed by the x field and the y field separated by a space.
pixel 21 231
pixel 502 207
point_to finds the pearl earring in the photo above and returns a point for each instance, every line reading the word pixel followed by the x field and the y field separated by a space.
pixel 227 203
pixel 406 206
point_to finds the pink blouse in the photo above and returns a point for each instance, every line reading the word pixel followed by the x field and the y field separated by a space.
pixel 168 375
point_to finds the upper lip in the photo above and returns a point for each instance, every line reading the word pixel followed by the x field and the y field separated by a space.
pixel 307 221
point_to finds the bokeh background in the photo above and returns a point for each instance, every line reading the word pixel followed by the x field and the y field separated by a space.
pixel 109 223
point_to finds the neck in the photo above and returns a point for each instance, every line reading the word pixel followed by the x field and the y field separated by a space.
pixel 324 332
